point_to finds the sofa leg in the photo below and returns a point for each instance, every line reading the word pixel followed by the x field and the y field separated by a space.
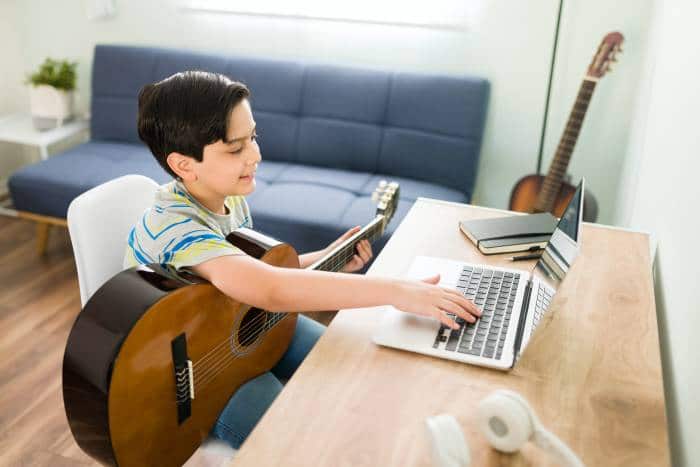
pixel 42 237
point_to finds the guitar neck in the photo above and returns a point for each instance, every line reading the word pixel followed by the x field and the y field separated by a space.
pixel 343 253
pixel 560 163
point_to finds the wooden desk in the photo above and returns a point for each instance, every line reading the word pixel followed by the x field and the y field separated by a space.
pixel 592 371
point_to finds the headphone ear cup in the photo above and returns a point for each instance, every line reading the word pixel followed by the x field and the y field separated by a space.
pixel 508 409
pixel 504 421
pixel 449 446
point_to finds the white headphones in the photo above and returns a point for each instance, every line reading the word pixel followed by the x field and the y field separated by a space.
pixel 507 421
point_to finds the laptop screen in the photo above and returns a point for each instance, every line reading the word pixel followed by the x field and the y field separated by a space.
pixel 564 244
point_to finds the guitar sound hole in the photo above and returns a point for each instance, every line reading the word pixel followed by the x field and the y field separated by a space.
pixel 251 326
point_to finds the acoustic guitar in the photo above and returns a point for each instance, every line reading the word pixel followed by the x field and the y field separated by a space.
pixel 155 354
pixel 535 193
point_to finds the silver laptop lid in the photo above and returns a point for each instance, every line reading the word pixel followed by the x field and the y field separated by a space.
pixel 563 245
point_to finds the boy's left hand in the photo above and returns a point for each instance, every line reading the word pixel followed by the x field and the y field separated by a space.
pixel 363 251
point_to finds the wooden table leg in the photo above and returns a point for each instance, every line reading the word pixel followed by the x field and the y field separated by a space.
pixel 42 237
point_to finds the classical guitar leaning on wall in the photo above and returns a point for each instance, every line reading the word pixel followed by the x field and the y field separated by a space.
pixel 551 193
pixel 156 354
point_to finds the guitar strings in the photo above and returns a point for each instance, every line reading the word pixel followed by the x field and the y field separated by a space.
pixel 223 364
pixel 245 332
pixel 202 377
pixel 218 358
pixel 203 359
pixel 213 360
pixel 220 352
pixel 228 345
pixel 338 263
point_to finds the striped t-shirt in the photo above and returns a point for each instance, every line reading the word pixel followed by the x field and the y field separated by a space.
pixel 179 231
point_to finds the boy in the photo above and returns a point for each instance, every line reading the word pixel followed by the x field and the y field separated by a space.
pixel 200 128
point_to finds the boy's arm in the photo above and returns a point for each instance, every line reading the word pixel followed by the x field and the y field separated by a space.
pixel 256 283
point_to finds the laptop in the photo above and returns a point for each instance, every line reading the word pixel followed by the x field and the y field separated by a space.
pixel 512 301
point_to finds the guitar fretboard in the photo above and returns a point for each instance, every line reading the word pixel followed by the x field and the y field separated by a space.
pixel 338 258
pixel 560 163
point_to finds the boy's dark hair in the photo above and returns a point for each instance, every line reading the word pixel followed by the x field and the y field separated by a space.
pixel 185 112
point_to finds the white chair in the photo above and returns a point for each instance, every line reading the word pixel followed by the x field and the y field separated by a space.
pixel 99 222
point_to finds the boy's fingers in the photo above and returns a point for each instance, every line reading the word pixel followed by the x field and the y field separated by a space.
pixel 362 249
pixel 350 232
pixel 463 302
pixel 447 321
pixel 368 247
pixel 454 308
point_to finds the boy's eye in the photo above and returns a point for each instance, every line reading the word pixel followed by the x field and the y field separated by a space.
pixel 252 138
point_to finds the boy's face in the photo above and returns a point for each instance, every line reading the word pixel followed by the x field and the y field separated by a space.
pixel 228 167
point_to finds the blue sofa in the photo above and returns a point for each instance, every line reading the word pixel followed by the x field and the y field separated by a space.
pixel 328 135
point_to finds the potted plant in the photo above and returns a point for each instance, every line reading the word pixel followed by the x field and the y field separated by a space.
pixel 51 93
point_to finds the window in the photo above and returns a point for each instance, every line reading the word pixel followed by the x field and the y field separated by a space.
pixel 437 14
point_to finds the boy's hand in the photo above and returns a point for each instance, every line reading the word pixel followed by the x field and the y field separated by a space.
pixel 363 251
pixel 427 299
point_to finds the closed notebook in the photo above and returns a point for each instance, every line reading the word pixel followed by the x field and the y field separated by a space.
pixel 510 234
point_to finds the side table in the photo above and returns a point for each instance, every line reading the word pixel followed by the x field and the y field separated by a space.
pixel 19 129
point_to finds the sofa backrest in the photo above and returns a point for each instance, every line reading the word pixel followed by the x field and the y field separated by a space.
pixel 425 127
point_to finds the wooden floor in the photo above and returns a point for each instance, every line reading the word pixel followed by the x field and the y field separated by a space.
pixel 39 300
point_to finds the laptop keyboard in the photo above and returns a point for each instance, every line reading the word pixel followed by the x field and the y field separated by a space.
pixel 494 293
pixel 544 297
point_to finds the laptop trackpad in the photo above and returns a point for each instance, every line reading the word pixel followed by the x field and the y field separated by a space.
pixel 406 329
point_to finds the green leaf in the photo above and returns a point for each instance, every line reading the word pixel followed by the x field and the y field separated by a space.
pixel 57 73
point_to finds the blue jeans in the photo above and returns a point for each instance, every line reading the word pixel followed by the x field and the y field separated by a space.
pixel 251 400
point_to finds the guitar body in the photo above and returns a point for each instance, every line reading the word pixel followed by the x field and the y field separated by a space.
pixel 523 197
pixel 121 396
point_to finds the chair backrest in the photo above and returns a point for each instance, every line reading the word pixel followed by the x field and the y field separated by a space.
pixel 99 221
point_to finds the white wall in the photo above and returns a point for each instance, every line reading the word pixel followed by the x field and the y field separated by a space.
pixel 13 96
pixel 509 44
pixel 660 193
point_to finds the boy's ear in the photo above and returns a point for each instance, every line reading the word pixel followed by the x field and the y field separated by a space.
pixel 182 165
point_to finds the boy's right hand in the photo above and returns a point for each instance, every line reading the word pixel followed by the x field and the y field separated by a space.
pixel 425 298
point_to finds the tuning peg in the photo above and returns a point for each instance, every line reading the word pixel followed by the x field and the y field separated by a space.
pixel 393 185
pixel 375 196
pixel 382 184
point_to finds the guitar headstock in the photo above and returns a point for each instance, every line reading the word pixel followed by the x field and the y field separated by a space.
pixel 387 197
pixel 605 56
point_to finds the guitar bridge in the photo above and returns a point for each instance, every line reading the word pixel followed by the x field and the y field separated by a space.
pixel 184 378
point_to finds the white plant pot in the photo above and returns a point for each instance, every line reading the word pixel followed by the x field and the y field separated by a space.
pixel 50 107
